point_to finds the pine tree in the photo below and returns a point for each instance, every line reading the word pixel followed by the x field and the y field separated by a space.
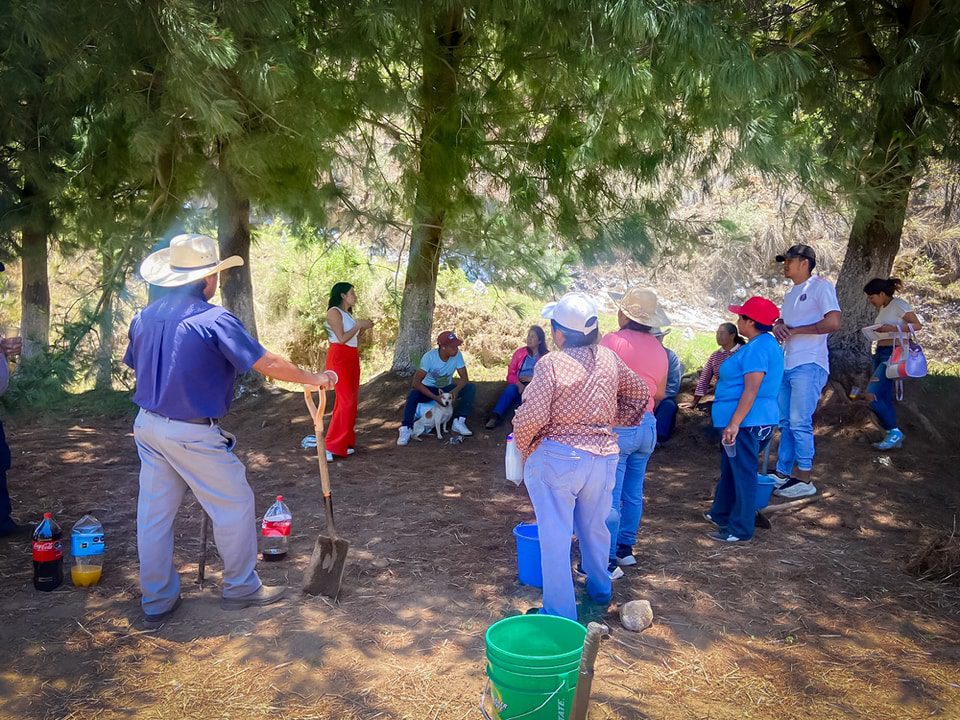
pixel 883 98
pixel 568 121
pixel 39 97
pixel 217 99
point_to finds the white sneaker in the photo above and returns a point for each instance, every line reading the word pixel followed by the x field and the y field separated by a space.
pixel 405 434
pixel 796 489
pixel 350 452
pixel 778 480
pixel 460 427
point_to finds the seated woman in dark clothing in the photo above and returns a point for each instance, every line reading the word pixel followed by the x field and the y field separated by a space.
pixel 519 373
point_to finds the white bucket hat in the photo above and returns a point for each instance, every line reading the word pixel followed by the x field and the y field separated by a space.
pixel 574 311
pixel 188 259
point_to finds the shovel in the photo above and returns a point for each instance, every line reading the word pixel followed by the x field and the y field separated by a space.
pixel 591 646
pixel 325 571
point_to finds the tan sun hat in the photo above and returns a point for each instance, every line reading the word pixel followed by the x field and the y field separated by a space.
pixel 641 306
pixel 188 259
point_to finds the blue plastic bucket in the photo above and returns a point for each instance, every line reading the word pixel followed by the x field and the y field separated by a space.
pixel 765 485
pixel 528 555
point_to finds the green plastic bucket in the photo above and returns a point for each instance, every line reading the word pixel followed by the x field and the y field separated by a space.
pixel 532 666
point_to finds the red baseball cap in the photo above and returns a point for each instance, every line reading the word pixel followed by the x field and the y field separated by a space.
pixel 757 309
pixel 448 337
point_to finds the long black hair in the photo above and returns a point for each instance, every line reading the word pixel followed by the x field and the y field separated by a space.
pixel 542 337
pixel 731 329
pixel 336 294
pixel 879 285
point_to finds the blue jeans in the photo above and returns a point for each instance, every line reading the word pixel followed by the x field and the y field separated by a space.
pixel 666 412
pixel 508 398
pixel 570 491
pixel 461 408
pixel 735 500
pixel 799 397
pixel 636 446
pixel 882 389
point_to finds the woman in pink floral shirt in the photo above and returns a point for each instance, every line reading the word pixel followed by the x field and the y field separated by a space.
pixel 564 429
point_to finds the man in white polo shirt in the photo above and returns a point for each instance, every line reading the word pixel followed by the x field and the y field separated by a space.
pixel 809 314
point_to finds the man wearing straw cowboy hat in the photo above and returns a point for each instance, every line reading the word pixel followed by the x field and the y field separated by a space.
pixel 186 354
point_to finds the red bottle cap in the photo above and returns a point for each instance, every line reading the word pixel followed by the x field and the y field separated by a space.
pixel 279 498
pixel 47 516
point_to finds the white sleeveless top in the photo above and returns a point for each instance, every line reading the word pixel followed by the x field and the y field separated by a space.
pixel 348 324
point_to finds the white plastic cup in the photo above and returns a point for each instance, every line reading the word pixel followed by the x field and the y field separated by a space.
pixel 730 449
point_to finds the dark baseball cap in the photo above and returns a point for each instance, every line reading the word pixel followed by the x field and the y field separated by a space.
pixel 798 251
pixel 448 337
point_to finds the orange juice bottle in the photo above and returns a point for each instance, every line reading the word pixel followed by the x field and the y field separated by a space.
pixel 87 548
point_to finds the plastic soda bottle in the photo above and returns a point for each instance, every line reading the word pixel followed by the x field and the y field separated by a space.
pixel 275 532
pixel 47 554
pixel 87 547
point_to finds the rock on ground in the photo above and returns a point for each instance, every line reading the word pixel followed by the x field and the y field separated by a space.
pixel 636 615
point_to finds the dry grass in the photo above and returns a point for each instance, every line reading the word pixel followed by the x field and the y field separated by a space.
pixel 938 559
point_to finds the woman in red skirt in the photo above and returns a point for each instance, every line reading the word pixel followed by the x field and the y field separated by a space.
pixel 342 357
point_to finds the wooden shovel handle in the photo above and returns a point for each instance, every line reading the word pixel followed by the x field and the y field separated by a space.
pixel 316 414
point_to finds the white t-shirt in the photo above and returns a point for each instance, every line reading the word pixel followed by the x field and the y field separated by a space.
pixel 805 304
pixel 440 372
pixel 892 314
pixel 348 324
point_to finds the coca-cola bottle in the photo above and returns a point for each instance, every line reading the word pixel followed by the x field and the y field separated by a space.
pixel 47 554
pixel 275 532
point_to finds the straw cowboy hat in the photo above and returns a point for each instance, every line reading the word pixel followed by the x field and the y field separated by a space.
pixel 188 259
pixel 641 306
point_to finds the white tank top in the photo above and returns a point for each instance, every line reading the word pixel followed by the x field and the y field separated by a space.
pixel 348 324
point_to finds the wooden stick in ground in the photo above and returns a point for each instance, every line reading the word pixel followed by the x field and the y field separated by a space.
pixel 795 504
pixel 204 532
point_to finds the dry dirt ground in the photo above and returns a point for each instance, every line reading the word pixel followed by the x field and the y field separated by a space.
pixel 815 619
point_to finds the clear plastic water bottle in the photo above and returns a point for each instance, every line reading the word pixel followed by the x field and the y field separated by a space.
pixel 275 531
pixel 87 548
pixel 513 461
pixel 47 554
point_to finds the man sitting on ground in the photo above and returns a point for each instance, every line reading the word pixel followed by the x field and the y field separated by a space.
pixel 435 376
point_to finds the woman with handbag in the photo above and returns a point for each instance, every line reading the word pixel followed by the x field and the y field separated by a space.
pixel 895 318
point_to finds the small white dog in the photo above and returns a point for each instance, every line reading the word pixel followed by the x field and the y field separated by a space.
pixel 438 417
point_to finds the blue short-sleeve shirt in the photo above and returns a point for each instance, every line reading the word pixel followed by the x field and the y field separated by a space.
pixel 440 372
pixel 186 354
pixel 761 354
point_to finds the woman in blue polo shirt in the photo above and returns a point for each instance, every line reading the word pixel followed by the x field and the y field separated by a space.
pixel 745 409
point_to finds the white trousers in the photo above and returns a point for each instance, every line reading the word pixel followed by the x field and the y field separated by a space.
pixel 571 491
pixel 175 456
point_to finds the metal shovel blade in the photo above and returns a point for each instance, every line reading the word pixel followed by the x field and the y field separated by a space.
pixel 325 571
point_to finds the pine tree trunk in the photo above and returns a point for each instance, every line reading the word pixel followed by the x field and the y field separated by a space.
pixel 233 235
pixel 437 173
pixel 104 376
pixel 873 244
pixel 35 286
pixel 419 295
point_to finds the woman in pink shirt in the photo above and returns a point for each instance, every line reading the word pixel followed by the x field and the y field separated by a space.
pixel 519 374
pixel 643 353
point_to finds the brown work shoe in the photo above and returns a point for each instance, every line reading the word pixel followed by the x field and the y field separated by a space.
pixel 265 595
